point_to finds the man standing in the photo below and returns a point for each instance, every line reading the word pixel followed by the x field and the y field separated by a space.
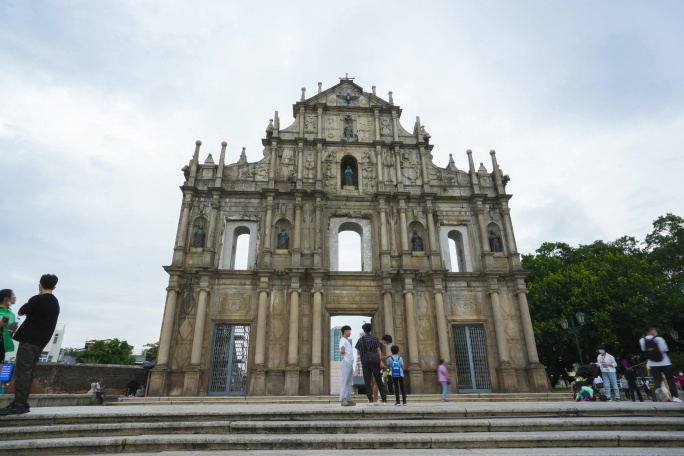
pixel 347 368
pixel 656 351
pixel 607 364
pixel 368 347
pixel 33 335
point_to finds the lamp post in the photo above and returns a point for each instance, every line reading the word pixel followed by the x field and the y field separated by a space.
pixel 574 329
pixel 675 336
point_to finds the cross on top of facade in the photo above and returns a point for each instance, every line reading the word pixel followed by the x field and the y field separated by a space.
pixel 346 78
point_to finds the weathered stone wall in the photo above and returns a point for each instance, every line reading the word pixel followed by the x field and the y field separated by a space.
pixel 62 378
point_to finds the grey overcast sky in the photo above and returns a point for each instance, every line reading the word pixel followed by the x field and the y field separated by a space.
pixel 101 103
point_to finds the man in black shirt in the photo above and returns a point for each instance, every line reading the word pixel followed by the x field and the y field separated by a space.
pixel 34 334
pixel 370 352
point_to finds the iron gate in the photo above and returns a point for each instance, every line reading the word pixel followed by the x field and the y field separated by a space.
pixel 229 360
pixel 471 359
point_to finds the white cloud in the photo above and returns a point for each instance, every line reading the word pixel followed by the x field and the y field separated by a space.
pixel 102 103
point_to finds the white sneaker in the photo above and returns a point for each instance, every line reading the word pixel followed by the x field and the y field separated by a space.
pixel 676 399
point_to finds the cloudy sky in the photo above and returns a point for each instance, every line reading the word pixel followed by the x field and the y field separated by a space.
pixel 101 103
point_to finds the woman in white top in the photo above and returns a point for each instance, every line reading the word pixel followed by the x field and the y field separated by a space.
pixel 607 364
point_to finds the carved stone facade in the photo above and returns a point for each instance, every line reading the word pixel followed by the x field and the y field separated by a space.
pixel 346 163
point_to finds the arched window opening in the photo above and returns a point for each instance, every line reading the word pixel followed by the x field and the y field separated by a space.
pixel 453 254
pixel 349 245
pixel 349 170
pixel 457 258
pixel 241 251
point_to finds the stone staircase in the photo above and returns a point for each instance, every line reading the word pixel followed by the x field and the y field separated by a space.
pixel 234 427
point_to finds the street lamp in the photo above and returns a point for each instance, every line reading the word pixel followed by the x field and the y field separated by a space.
pixel 675 336
pixel 570 326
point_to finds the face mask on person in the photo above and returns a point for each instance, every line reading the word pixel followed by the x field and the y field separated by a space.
pixel 602 351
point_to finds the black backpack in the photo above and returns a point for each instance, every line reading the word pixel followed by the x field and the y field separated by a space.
pixel 652 350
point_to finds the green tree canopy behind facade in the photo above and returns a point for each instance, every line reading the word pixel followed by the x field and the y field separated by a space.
pixel 620 286
pixel 111 352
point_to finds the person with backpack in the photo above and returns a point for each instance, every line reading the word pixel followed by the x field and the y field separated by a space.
pixel 396 364
pixel 656 350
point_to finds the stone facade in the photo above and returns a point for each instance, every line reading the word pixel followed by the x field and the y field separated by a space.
pixel 346 163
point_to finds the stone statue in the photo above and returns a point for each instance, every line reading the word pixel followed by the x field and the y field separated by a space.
pixel 283 239
pixel 348 176
pixel 348 134
pixel 495 244
pixel 198 240
pixel 416 242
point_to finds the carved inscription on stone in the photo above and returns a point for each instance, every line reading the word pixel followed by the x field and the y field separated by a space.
pixel 237 304
pixel 351 301
pixel 465 306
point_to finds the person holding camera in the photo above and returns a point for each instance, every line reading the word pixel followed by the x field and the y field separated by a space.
pixel 34 334
pixel 8 322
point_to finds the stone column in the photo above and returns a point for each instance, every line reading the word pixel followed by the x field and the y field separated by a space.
pixel 506 213
pixel 301 121
pixel 300 168
pixel 415 372
pixel 376 116
pixel 316 371
pixel 378 159
pixel 423 167
pixel 267 244
pixel 272 164
pixel 319 128
pixel 319 166
pixel 297 241
pixel 442 334
pixel 402 227
pixel 179 250
pixel 528 330
pixel 395 130
pixel 317 232
pixel 397 168
pixel 192 374
pixel 388 310
pixel 159 373
pixel 259 370
pixel 210 251
pixel 435 258
pixel 383 226
pixel 292 369
pixel 536 372
pixel 484 237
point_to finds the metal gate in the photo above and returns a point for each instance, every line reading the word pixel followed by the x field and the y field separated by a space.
pixel 471 359
pixel 229 360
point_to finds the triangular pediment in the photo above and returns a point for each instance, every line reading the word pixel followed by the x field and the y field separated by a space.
pixel 347 93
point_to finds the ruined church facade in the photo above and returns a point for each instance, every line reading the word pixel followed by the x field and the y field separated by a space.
pixel 440 270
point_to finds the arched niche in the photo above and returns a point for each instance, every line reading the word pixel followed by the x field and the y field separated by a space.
pixel 281 224
pixel 495 238
pixel 198 234
pixel 358 225
pixel 459 235
pixel 420 231
pixel 349 162
pixel 231 231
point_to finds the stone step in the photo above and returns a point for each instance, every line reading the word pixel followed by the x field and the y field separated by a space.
pixel 379 427
pixel 323 411
pixel 349 442
pixel 415 398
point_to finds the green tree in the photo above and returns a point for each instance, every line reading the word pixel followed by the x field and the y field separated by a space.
pixel 152 350
pixel 615 284
pixel 112 352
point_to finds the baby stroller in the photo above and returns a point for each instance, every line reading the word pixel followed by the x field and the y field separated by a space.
pixel 584 387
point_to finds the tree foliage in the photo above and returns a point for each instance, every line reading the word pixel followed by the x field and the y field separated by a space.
pixel 152 350
pixel 111 352
pixel 620 286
